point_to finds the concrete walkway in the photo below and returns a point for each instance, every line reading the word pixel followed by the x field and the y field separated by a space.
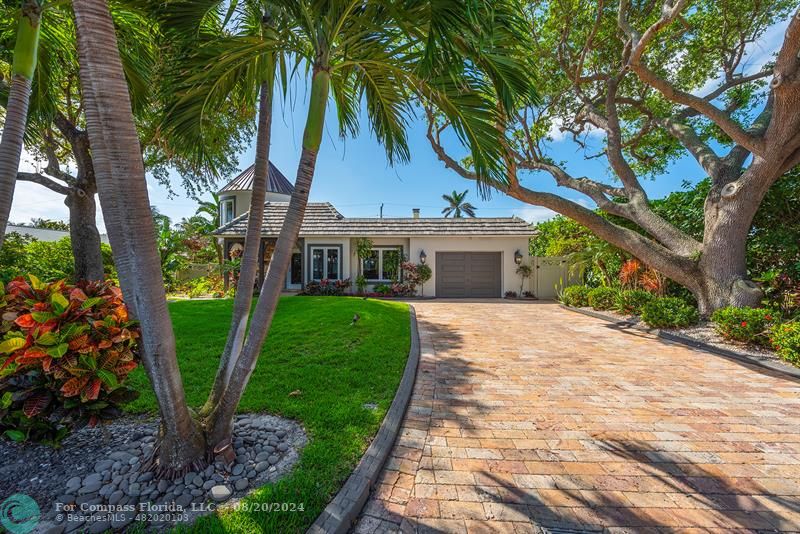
pixel 530 418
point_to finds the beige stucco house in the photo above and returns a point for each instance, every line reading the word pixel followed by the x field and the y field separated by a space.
pixel 470 258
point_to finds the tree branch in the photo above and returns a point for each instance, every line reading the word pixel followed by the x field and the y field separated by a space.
pixel 43 180
pixel 685 134
pixel 781 134
pixel 635 63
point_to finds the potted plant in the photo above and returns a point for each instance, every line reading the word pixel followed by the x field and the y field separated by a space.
pixel 424 273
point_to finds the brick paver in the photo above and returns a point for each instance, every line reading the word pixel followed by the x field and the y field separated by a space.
pixel 527 417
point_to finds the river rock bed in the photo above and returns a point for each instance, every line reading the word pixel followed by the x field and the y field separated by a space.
pixel 94 481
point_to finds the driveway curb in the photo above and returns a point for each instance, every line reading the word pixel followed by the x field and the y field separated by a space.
pixel 790 372
pixel 343 511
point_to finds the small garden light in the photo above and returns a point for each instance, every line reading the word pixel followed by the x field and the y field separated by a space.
pixel 423 257
pixel 518 257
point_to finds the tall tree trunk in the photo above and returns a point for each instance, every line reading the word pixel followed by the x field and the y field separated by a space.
pixel 730 207
pixel 83 232
pixel 120 176
pixel 84 235
pixel 219 426
pixel 25 56
pixel 251 255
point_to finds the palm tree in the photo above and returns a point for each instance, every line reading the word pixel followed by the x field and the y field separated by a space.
pixel 122 188
pixel 19 92
pixel 354 50
pixel 56 131
pixel 457 206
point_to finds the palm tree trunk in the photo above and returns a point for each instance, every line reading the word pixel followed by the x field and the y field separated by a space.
pixel 252 251
pixel 25 57
pixel 219 425
pixel 120 177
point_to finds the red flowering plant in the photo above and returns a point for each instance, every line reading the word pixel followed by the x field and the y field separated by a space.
pixel 745 325
pixel 65 352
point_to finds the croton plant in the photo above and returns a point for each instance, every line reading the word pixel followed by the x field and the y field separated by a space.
pixel 65 352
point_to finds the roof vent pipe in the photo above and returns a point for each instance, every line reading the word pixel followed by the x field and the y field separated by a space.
pixel 415 212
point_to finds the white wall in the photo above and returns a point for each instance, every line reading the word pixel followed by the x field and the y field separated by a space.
pixel 507 246
pixel 243 200
pixel 44 234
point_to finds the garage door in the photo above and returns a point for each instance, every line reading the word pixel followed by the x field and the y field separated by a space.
pixel 468 274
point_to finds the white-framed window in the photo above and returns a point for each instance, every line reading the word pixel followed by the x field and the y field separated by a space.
pixel 227 210
pixel 382 264
pixel 326 262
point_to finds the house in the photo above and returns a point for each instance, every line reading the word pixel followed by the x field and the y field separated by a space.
pixel 470 258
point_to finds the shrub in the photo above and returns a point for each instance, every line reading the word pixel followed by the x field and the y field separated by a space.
pixel 65 353
pixel 669 312
pixel 632 301
pixel 204 286
pixel 47 260
pixel 414 274
pixel 576 296
pixel 403 289
pixel 603 298
pixel 383 289
pixel 786 341
pixel 747 325
pixel 327 288
pixel 511 294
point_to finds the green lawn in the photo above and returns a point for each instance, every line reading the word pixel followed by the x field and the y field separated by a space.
pixel 311 348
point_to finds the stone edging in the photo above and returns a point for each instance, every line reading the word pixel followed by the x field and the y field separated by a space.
pixel 778 367
pixel 342 512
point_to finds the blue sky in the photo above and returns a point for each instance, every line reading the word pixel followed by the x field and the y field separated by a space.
pixel 353 174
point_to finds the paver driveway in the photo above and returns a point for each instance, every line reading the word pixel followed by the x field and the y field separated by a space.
pixel 525 416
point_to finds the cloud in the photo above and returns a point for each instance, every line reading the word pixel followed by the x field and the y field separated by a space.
pixel 557 135
pixel 534 214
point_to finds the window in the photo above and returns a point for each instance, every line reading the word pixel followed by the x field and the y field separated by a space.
pixel 383 264
pixel 227 210
pixel 296 277
pixel 370 266
pixel 325 262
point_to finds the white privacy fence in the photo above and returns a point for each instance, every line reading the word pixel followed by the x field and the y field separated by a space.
pixel 549 276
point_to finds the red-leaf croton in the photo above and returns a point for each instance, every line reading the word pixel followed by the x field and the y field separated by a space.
pixel 65 352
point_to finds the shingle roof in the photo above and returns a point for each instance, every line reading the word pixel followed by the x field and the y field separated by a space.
pixel 321 218
pixel 276 183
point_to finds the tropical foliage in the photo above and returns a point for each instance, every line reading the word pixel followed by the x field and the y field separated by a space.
pixel 47 260
pixel 632 301
pixel 785 340
pixel 66 352
pixel 576 296
pixel 669 312
pixel 603 298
